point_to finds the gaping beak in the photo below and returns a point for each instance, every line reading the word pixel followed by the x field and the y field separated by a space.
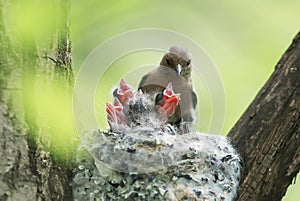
pixel 179 69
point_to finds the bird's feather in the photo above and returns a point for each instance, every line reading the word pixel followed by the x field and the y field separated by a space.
pixel 156 81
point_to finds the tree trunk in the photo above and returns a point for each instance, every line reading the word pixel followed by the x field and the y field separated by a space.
pixel 267 136
pixel 30 61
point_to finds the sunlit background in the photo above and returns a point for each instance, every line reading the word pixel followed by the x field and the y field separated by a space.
pixel 244 39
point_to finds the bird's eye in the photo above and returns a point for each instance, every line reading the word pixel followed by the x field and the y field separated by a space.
pixel 168 61
pixel 158 98
pixel 188 62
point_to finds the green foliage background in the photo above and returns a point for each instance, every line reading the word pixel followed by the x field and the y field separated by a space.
pixel 245 39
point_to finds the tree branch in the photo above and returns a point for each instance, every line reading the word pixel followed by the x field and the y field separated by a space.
pixel 268 134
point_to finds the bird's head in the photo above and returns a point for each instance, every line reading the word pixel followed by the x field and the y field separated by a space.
pixel 167 101
pixel 114 112
pixel 179 59
pixel 124 92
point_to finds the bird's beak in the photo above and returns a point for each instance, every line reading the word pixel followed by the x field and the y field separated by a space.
pixel 179 69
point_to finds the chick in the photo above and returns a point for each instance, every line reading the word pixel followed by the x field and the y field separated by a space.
pixel 132 110
pixel 115 115
pixel 124 92
pixel 175 67
pixel 167 102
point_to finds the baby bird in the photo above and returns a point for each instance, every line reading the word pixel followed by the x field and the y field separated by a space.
pixel 115 115
pixel 132 109
pixel 124 92
pixel 167 102
pixel 175 67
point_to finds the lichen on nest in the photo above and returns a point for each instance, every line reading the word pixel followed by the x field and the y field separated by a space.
pixel 145 158
pixel 164 167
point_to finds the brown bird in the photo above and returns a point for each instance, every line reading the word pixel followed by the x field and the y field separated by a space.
pixel 175 67
pixel 184 60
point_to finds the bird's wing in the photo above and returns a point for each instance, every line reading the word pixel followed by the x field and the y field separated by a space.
pixel 194 99
pixel 156 80
pixel 143 81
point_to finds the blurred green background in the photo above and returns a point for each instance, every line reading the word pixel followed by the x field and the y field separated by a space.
pixel 244 39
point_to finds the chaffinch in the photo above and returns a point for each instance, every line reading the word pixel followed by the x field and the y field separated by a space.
pixel 175 67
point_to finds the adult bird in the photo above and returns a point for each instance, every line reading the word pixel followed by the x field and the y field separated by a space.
pixel 175 67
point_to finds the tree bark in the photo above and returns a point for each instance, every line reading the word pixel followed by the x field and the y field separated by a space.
pixel 267 136
pixel 28 168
